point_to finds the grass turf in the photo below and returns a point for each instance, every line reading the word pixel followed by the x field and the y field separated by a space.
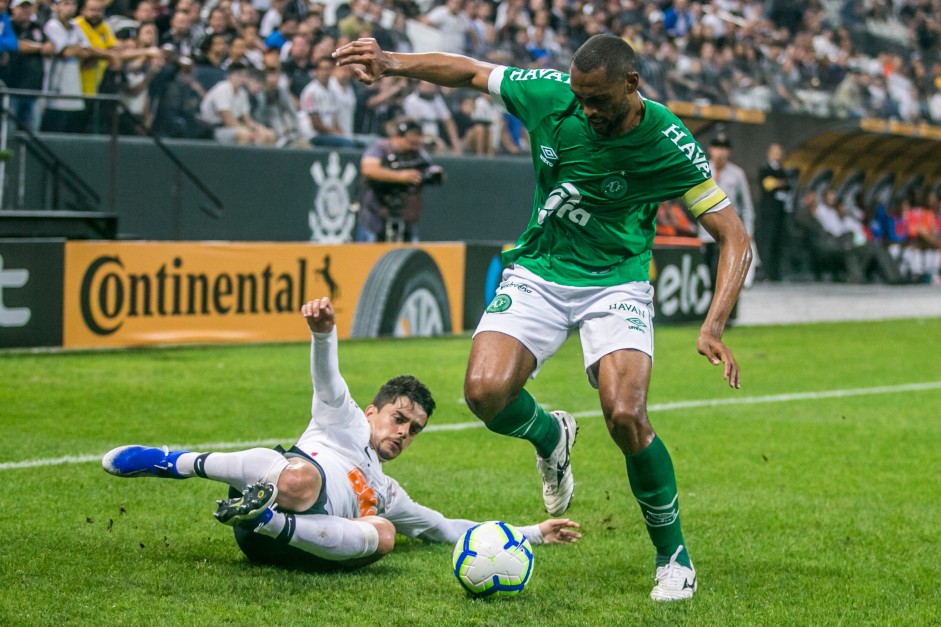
pixel 814 511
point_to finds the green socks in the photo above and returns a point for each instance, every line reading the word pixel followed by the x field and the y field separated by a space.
pixel 654 486
pixel 525 419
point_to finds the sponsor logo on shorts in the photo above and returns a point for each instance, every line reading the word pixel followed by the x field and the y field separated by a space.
pixel 637 324
pixel 499 304
pixel 520 286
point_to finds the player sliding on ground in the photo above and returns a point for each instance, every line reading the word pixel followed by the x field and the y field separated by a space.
pixel 605 158
pixel 326 502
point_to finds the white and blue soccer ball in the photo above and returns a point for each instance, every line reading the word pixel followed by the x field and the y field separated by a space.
pixel 493 559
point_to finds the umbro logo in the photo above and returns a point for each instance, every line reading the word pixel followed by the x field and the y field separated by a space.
pixel 548 155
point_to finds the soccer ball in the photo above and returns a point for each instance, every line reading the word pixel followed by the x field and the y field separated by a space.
pixel 493 559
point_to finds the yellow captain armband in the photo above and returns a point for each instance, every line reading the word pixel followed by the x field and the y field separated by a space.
pixel 705 197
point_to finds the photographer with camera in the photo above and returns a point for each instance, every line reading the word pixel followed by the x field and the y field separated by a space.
pixel 394 172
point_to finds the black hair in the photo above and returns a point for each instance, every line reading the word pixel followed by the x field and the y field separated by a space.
pixel 408 386
pixel 605 51
pixel 404 125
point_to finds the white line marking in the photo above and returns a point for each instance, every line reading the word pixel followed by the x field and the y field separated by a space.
pixel 460 426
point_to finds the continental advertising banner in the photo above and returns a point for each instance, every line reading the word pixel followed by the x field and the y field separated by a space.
pixel 143 293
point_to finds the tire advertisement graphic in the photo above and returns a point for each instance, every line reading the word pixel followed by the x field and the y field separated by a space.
pixel 404 296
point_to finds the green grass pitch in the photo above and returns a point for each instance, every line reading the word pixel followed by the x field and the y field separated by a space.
pixel 813 500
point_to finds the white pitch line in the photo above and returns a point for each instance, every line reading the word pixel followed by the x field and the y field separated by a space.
pixel 460 426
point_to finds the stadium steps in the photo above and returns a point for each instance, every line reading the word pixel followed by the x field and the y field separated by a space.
pixel 68 224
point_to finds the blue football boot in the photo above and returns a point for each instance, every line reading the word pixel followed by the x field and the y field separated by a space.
pixel 142 461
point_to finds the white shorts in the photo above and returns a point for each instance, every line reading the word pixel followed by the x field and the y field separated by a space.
pixel 541 315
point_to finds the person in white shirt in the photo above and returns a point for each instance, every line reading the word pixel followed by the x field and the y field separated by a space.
pixel 227 108
pixel 734 182
pixel 326 503
pixel 453 24
pixel 320 108
pixel 427 106
pixel 341 86
pixel 62 75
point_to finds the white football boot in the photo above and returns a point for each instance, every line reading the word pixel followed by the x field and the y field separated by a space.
pixel 675 582
pixel 558 485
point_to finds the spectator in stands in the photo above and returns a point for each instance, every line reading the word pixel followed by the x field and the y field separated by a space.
pixel 24 70
pixel 849 99
pixel 254 48
pixel 227 109
pixel 770 223
pixel 180 35
pixel 321 109
pixel 453 25
pixel 357 23
pixel 733 181
pixel 101 41
pixel 889 229
pixel 383 103
pixel 297 68
pixel 175 97
pixel 8 41
pixel 678 19
pixel 343 88
pixel 426 105
pixel 136 77
pixel 924 236
pixel 62 71
pixel 861 256
pixel 276 110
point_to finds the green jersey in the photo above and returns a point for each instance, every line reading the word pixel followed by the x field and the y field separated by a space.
pixel 595 207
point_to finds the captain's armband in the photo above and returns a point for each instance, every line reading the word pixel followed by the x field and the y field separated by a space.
pixel 705 198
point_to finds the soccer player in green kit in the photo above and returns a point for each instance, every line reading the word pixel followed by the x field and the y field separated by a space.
pixel 604 159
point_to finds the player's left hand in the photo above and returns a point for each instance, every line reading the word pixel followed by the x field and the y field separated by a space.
pixel 319 315
pixel 559 530
pixel 713 349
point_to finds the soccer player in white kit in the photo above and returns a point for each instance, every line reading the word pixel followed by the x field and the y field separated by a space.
pixel 326 503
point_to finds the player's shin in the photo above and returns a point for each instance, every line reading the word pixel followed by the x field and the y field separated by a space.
pixel 525 419
pixel 654 486
pixel 239 469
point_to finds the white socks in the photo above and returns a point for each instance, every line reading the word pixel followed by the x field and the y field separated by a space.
pixel 329 537
pixel 239 470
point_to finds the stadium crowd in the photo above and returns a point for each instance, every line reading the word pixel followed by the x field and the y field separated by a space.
pixel 260 71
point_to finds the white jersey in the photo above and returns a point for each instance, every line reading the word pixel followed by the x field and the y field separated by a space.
pixel 337 438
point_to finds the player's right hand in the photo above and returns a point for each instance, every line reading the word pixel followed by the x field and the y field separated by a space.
pixel 369 61
pixel 319 315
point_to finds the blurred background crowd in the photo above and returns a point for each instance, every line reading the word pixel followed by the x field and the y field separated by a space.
pixel 260 72
pixel 262 68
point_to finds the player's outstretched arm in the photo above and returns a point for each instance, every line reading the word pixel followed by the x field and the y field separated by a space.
pixel 734 259
pixel 329 386
pixel 370 63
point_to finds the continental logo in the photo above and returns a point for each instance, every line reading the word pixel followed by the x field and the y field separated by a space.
pixel 110 295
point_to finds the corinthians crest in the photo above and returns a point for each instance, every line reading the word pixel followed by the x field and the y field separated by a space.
pixel 330 219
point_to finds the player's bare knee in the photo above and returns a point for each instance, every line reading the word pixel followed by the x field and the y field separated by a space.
pixel 386 535
pixel 628 425
pixel 298 486
pixel 485 396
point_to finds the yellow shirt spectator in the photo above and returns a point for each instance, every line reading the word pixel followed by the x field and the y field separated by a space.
pixel 101 37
